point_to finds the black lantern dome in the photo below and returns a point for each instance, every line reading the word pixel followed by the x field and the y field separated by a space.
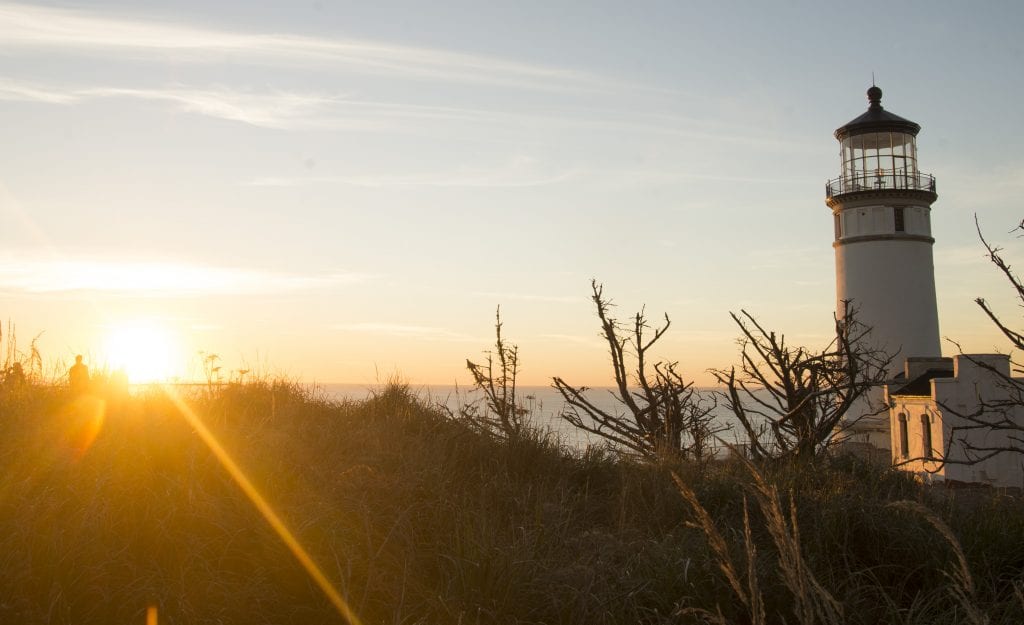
pixel 877 119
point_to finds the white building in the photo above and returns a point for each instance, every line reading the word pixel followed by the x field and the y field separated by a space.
pixel 934 415
pixel 882 209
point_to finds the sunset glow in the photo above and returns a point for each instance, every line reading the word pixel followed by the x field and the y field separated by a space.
pixel 335 192
pixel 146 351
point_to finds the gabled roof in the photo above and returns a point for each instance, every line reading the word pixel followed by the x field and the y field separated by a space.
pixel 921 386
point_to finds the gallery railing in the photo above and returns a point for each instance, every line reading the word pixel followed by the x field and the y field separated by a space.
pixel 879 180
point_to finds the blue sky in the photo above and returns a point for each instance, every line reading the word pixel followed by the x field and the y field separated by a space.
pixel 339 191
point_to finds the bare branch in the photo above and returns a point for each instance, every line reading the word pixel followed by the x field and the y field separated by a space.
pixel 791 401
pixel 496 379
pixel 663 415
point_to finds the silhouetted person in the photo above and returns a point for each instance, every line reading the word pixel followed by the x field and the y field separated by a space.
pixel 78 376
pixel 15 377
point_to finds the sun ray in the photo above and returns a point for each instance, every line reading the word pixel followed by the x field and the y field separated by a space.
pixel 264 507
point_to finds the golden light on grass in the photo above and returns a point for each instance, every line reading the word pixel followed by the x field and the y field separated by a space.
pixel 84 419
pixel 145 350
pixel 264 507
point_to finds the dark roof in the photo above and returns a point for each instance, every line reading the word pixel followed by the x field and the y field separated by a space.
pixel 922 384
pixel 876 119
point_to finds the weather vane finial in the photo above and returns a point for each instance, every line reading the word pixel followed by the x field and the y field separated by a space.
pixel 873 79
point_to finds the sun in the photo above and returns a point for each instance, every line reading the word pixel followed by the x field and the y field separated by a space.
pixel 146 351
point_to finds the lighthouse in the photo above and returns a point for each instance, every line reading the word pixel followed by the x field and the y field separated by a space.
pixel 881 204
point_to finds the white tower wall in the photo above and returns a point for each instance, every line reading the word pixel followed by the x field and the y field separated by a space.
pixel 889 278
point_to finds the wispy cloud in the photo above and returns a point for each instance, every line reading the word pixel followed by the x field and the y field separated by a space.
pixel 274 109
pixel 289 109
pixel 284 110
pixel 28 92
pixel 269 110
pixel 622 108
pixel 425 333
pixel 456 178
pixel 519 172
pixel 35 27
pixel 166 279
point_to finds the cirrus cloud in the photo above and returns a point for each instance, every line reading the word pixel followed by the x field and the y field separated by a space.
pixel 148 278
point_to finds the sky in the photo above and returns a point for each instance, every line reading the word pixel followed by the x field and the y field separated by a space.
pixel 346 191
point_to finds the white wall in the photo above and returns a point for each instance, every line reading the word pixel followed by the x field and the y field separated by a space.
pixel 891 284
pixel 950 397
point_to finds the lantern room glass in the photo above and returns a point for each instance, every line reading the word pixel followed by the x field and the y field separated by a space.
pixel 880 160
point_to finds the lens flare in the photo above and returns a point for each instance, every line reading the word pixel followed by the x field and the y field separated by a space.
pixel 264 508
pixel 85 416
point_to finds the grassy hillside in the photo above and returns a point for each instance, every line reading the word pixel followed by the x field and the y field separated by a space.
pixel 418 519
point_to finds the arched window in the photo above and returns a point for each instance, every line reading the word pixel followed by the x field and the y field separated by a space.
pixel 926 436
pixel 904 440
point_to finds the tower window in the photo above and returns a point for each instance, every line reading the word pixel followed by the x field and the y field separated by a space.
pixel 926 436
pixel 839 228
pixel 897 214
pixel 904 442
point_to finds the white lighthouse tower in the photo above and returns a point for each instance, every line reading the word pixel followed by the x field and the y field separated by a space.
pixel 883 242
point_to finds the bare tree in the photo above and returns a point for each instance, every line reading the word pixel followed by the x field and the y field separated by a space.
pixel 792 401
pixel 503 414
pixel 660 414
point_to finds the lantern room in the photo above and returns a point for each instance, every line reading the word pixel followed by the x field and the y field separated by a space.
pixel 878 151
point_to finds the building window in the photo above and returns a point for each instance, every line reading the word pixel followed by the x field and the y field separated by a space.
pixel 904 441
pixel 897 214
pixel 926 436
pixel 839 227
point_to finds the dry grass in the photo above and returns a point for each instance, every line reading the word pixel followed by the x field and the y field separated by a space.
pixel 415 518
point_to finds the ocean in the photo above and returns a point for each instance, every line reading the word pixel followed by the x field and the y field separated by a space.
pixel 544 403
